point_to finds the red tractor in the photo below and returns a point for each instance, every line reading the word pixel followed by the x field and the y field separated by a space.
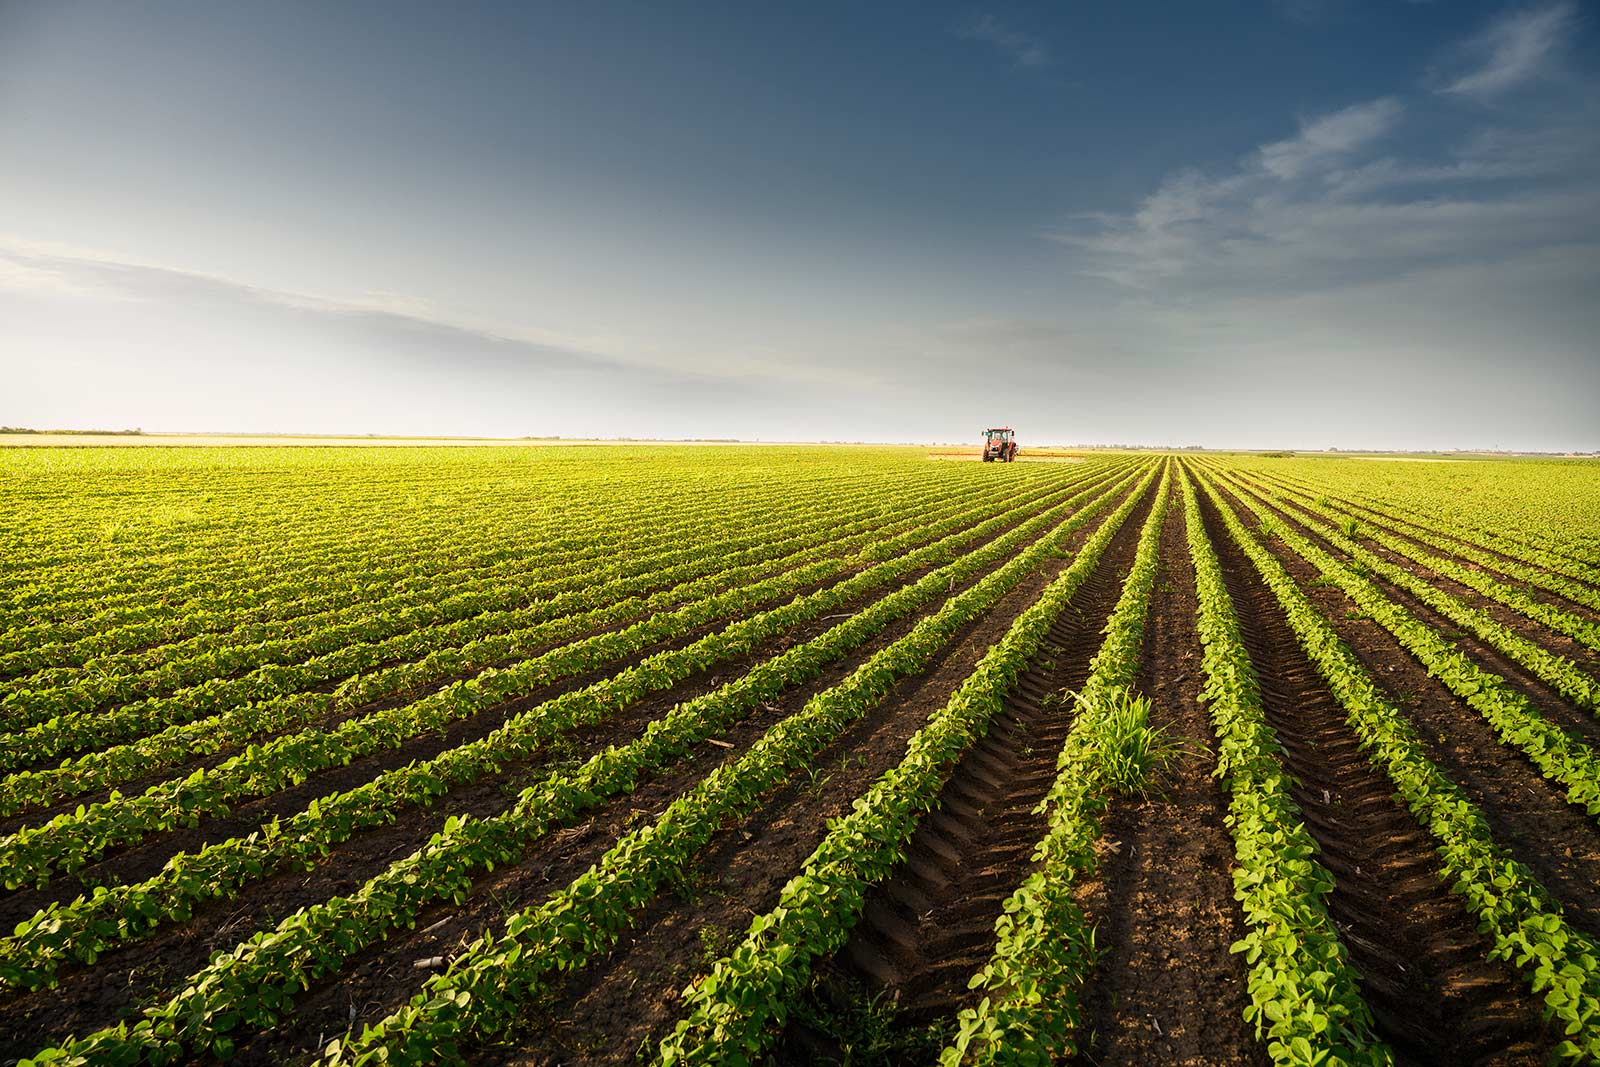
pixel 999 444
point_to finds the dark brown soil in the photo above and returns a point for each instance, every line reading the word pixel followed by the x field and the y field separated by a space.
pixel 1395 512
pixel 1166 988
pixel 1539 593
pixel 145 859
pixel 1550 702
pixel 379 980
pixel 1435 997
pixel 10 824
pixel 930 925
pixel 631 1000
pixel 1522 625
pixel 1528 814
pixel 141 970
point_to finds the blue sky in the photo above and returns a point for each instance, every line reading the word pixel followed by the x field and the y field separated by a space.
pixel 1302 223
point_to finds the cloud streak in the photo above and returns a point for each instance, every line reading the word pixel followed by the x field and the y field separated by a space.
pixel 1520 47
pixel 1330 137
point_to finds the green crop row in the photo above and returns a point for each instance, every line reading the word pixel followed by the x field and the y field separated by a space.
pixel 1044 946
pixel 204 589
pixel 84 928
pixel 1562 622
pixel 71 724
pixel 1510 905
pixel 1453 543
pixel 1558 671
pixel 1305 997
pixel 402 545
pixel 507 585
pixel 620 603
pixel 482 986
pixel 1528 549
pixel 734 1009
pixel 1558 755
pixel 75 838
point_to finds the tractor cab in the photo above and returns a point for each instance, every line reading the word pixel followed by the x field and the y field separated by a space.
pixel 999 444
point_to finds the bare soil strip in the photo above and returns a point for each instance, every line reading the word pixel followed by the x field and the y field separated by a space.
pixel 740 873
pixel 144 859
pixel 1435 996
pixel 630 1001
pixel 1559 643
pixel 140 861
pixel 1166 988
pixel 142 970
pixel 1395 513
pixel 1395 528
pixel 1551 704
pixel 1528 814
pixel 930 925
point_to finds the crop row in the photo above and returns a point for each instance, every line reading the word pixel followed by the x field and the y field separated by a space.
pixel 1558 755
pixel 1540 549
pixel 1305 997
pixel 228 590
pixel 1044 946
pixel 1557 671
pixel 312 602
pixel 623 601
pixel 482 985
pixel 1556 619
pixel 735 1008
pixel 1510 905
pixel 374 640
pixel 74 838
pixel 218 648
pixel 79 930
pixel 205 572
pixel 1451 540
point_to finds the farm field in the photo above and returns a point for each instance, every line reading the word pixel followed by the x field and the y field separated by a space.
pixel 796 754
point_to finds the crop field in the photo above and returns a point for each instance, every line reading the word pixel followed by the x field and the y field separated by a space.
pixel 738 755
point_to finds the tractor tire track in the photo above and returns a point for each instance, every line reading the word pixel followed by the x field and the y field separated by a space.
pixel 1435 996
pixel 1167 988
pixel 1551 703
pixel 1528 814
pixel 631 999
pixel 930 924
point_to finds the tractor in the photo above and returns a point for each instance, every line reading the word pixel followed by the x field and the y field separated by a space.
pixel 999 443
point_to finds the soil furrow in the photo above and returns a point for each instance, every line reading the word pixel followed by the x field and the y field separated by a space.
pixel 630 1000
pixel 1395 512
pixel 930 925
pixel 1522 625
pixel 1435 996
pixel 142 970
pixel 144 859
pixel 382 977
pixel 1393 527
pixel 1551 704
pixel 1167 988
pixel 1528 814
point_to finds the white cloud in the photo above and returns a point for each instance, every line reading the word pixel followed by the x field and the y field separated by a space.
pixel 49 269
pixel 22 275
pixel 1519 47
pixel 1457 262
pixel 1020 48
pixel 1329 137
pixel 1325 208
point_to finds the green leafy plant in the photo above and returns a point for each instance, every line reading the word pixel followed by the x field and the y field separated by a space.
pixel 1132 750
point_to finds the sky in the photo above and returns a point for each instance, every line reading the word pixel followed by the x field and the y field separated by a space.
pixel 1289 223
